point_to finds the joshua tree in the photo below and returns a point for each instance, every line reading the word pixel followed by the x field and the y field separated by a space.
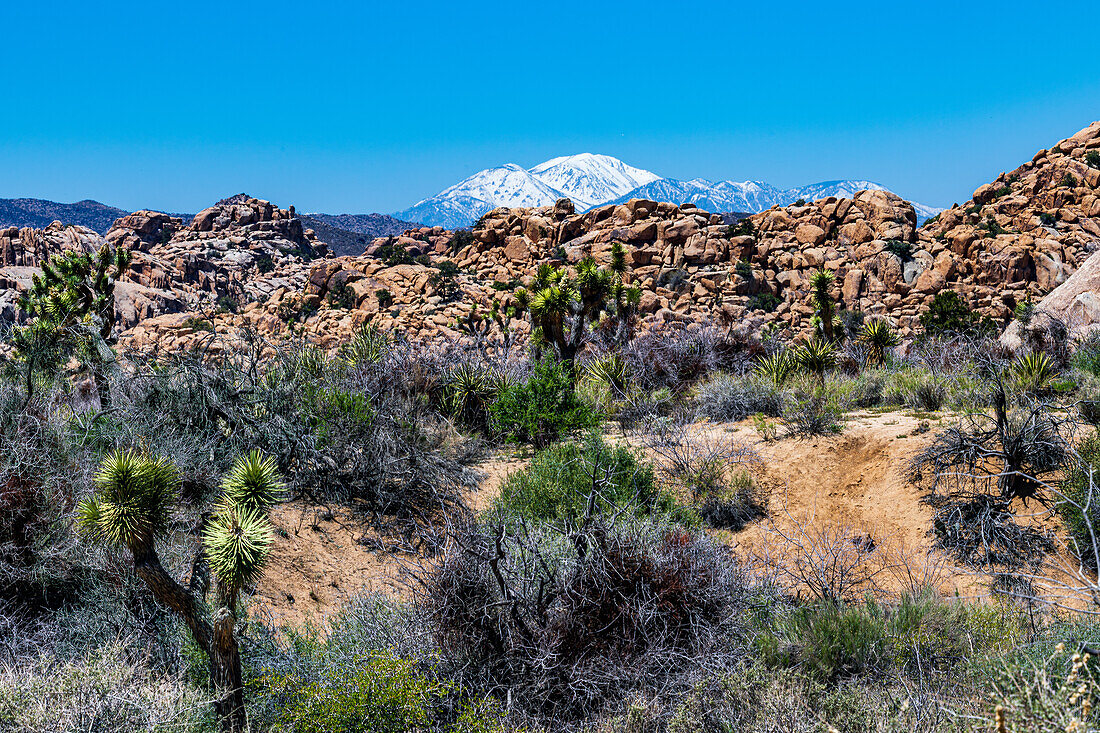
pixel 134 497
pixel 562 307
pixel 878 336
pixel 73 306
pixel 824 308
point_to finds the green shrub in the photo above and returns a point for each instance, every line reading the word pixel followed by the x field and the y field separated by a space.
pixel 903 250
pixel 948 313
pixel 1092 157
pixel 265 264
pixel 919 636
pixel 542 408
pixel 195 323
pixel 1087 355
pixel 765 301
pixel 816 411
pixel 445 281
pixel 557 485
pixel 377 693
pixel 1069 181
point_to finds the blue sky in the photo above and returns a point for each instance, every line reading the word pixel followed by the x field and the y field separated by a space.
pixel 372 106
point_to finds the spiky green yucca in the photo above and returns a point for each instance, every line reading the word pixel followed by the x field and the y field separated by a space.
pixel 253 483
pixel 236 543
pixel 134 497
pixel 611 370
pixel 368 346
pixel 777 368
pixel 817 356
pixel 878 336
pixel 1033 372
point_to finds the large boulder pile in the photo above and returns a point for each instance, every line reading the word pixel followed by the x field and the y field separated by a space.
pixel 1024 234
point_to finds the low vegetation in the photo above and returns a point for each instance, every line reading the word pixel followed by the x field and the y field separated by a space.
pixel 597 589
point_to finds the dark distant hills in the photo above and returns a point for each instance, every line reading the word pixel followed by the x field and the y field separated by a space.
pixel 349 234
pixel 40 213
pixel 346 234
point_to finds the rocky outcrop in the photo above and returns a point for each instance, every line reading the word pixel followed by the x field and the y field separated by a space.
pixel 1024 234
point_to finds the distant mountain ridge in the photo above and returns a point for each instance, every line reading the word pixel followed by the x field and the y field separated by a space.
pixel 349 234
pixel 39 213
pixel 591 180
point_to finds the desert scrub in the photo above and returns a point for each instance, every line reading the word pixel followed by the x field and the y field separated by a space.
pixel 1058 692
pixel 726 397
pixel 1079 501
pixel 569 624
pixel 376 692
pixel 562 479
pixel 921 635
pixel 106 690
pixel 813 411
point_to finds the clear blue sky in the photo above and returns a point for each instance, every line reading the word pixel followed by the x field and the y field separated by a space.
pixel 363 107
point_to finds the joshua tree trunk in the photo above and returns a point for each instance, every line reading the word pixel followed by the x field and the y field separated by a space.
pixel 218 640
pixel 225 668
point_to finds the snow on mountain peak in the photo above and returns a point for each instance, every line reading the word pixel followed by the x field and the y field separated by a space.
pixel 591 180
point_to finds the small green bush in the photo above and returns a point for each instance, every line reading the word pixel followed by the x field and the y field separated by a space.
pixel 919 635
pixel 377 693
pixel 1092 157
pixel 1069 181
pixel 765 301
pixel 948 313
pixel 557 485
pixel 541 409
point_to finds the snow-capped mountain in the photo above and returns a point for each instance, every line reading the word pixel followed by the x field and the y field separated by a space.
pixel 592 180
pixel 465 202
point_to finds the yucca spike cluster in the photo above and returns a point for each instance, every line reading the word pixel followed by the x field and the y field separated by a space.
pixel 237 540
pixel 878 336
pixel 253 483
pixel 134 497
pixel 236 543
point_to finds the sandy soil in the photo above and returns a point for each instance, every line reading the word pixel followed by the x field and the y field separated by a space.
pixel 855 480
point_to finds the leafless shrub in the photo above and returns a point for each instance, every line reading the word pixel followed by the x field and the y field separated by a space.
pixel 567 624
pixel 717 471
pixel 828 561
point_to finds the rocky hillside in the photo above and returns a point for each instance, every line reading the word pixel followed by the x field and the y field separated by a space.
pixel 248 263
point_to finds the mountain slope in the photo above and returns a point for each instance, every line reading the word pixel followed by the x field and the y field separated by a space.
pixel 463 203
pixel 38 213
pixel 590 179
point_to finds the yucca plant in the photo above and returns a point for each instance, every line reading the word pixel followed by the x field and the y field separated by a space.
pixel 776 368
pixel 822 283
pixel 817 356
pixel 369 345
pixel 611 370
pixel 253 483
pixel 468 391
pixel 134 497
pixel 1033 372
pixel 562 307
pixel 878 336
